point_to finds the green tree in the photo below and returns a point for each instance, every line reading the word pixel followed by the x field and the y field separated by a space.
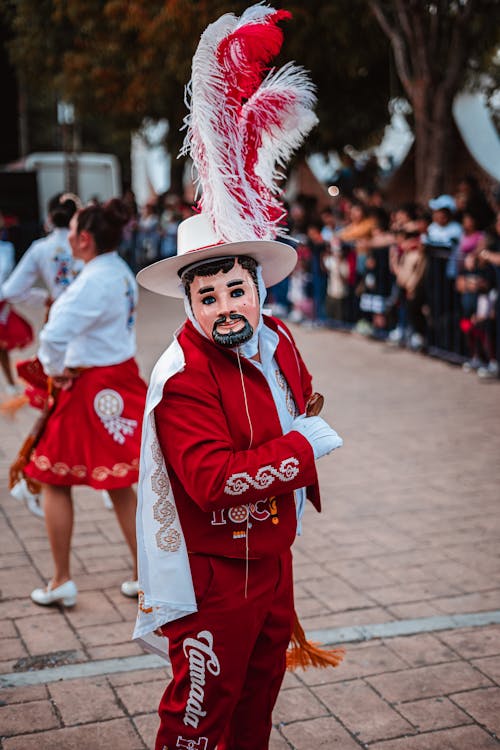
pixel 120 61
pixel 436 46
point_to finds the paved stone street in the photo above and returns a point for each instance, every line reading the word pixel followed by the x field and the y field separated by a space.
pixel 403 565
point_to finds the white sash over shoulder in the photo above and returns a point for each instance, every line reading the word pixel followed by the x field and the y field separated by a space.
pixel 165 583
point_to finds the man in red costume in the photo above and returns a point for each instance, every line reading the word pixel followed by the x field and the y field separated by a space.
pixel 237 453
pixel 228 453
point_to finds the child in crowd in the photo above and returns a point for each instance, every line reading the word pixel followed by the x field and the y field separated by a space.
pixel 475 283
pixel 408 263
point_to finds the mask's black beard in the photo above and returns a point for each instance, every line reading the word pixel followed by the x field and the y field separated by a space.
pixel 233 338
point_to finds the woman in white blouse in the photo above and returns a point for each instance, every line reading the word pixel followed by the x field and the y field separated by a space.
pixel 92 436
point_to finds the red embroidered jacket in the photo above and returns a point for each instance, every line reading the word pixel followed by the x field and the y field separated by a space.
pixel 233 484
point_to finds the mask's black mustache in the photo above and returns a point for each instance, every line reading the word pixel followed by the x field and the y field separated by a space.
pixel 232 316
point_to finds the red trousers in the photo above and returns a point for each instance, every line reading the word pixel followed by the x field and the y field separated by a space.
pixel 228 659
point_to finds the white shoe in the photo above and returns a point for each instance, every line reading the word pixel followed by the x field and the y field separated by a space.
pixel 471 365
pixel 490 372
pixel 21 492
pixel 130 588
pixel 416 342
pixel 66 594
pixel 108 503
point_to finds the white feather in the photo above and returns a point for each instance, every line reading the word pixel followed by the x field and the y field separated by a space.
pixel 239 211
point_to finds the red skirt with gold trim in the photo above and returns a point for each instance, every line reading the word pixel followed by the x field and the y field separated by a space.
pixel 15 331
pixel 93 436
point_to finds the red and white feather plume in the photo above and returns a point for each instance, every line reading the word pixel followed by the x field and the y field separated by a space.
pixel 245 121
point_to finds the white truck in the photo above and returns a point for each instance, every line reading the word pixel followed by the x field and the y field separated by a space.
pixel 88 175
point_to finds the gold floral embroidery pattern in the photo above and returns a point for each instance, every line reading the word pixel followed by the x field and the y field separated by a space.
pixel 100 473
pixel 164 512
pixel 118 470
pixel 290 401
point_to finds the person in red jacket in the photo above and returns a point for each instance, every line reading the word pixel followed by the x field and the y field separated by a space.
pixel 228 457
pixel 228 447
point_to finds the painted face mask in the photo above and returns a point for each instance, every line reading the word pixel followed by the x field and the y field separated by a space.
pixel 226 306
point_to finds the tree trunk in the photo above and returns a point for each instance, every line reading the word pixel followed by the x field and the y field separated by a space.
pixel 433 143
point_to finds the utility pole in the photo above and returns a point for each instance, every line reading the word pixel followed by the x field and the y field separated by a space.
pixel 66 120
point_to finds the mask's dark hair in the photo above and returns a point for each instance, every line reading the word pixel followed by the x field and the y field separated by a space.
pixel 61 212
pixel 105 223
pixel 213 268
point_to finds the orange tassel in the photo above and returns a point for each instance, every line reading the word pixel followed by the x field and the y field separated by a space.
pixel 303 653
pixel 11 406
pixel 16 471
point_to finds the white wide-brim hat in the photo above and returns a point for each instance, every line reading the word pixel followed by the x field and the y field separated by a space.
pixel 197 241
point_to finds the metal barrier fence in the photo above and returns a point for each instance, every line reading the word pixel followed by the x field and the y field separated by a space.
pixel 445 338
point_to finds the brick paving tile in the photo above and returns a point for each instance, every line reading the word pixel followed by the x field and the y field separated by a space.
pixel 471 643
pixel 321 734
pixel 141 700
pixel 297 704
pixel 414 610
pixel 291 680
pixel 8 666
pixel 420 650
pixel 14 718
pixel 14 560
pixel 139 676
pixel 433 713
pixel 85 701
pixel 359 574
pixel 108 634
pixel 483 706
pixel 490 667
pixel 119 651
pixel 116 733
pixel 477 602
pixel 10 544
pixel 92 608
pixel 29 526
pixel 126 605
pixel 105 580
pixel 98 565
pixel 54 634
pixel 346 619
pixel 308 607
pixel 23 694
pixel 308 571
pixel 461 738
pixel 426 682
pixel 106 549
pixel 359 661
pixel 18 583
pixel 362 711
pixel 20 608
pixel 412 592
pixel 42 561
pixel 147 726
pixel 277 742
pixel 11 648
pixel 81 540
pixel 337 595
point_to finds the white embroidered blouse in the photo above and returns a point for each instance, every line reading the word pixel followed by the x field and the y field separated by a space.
pixel 93 323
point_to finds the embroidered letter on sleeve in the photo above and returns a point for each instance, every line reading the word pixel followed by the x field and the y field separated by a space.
pixel 239 483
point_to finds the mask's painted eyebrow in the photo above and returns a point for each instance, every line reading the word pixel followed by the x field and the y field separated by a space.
pixel 236 282
pixel 205 289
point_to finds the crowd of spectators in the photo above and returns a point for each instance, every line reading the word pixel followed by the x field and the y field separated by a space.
pixel 151 233
pixel 424 277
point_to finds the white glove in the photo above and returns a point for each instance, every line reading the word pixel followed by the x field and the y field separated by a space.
pixel 322 438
